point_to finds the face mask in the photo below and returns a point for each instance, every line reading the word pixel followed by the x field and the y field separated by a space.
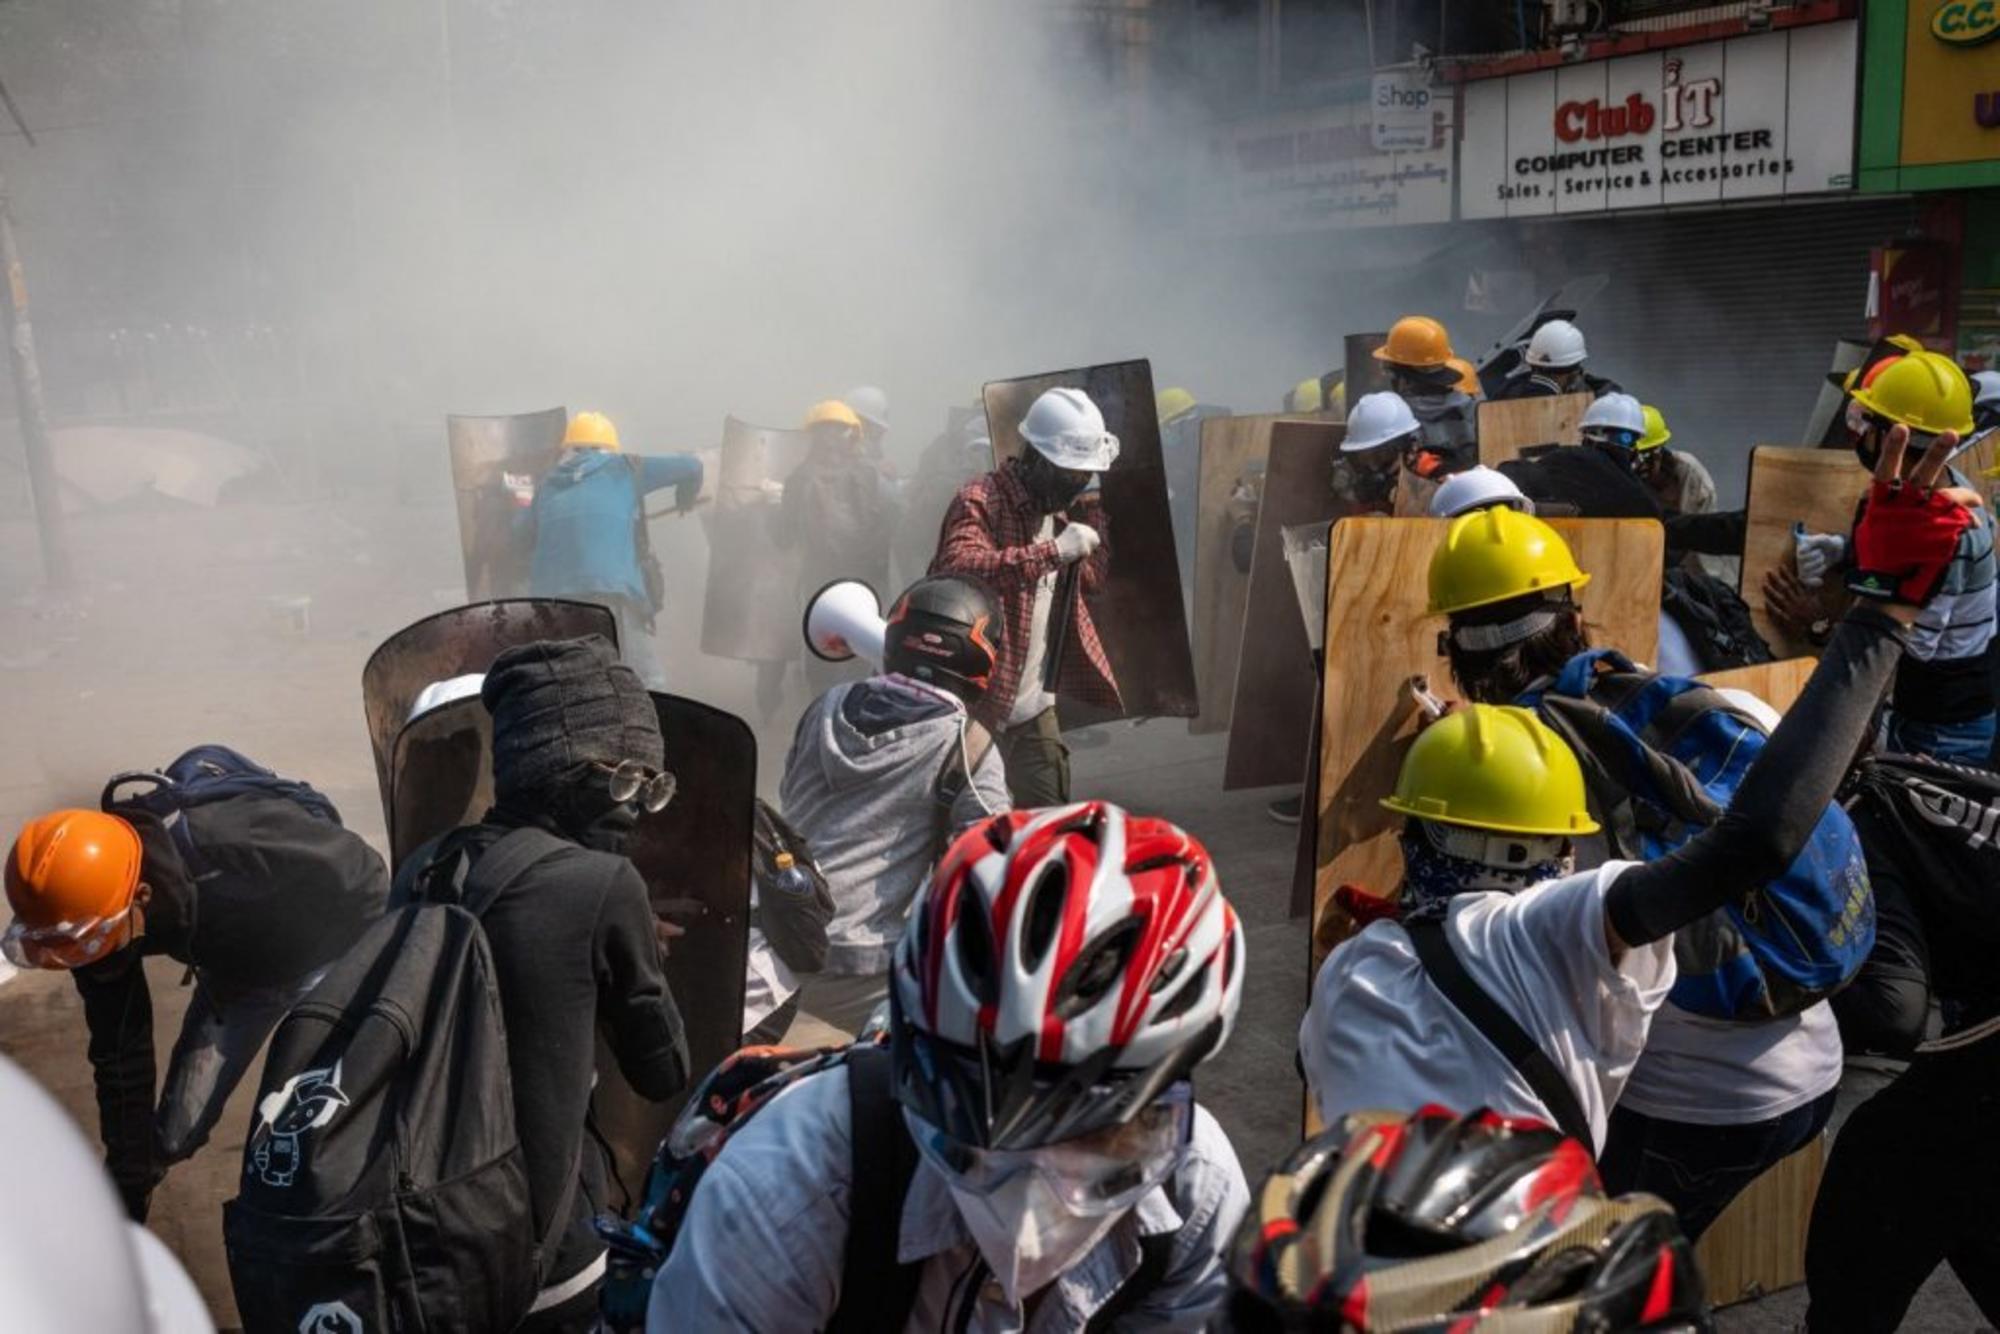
pixel 585 811
pixel 1053 488
pixel 1432 876
pixel 1027 1235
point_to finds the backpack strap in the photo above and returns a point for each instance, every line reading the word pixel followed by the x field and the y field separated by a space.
pixel 876 1292
pixel 953 778
pixel 1448 974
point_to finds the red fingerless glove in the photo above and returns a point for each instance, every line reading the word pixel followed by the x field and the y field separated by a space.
pixel 1904 539
pixel 1365 908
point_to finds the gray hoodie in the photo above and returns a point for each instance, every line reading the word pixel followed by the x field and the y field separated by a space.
pixel 860 783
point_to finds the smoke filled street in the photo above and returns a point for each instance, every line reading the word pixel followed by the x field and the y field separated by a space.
pixel 1206 665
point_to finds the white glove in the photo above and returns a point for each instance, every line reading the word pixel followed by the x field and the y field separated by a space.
pixel 1816 554
pixel 1076 541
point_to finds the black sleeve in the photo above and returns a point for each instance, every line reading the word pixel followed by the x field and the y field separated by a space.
pixel 1781 798
pixel 118 1009
pixel 1719 533
pixel 634 1007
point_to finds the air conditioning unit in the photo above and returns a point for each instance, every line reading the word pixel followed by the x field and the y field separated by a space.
pixel 1566 16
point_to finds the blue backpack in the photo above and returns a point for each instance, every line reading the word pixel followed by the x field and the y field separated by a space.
pixel 200 776
pixel 1663 756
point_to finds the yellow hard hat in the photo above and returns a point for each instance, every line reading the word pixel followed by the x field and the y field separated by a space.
pixel 1492 555
pixel 832 410
pixel 1416 340
pixel 1172 403
pixel 1923 390
pixel 1305 396
pixel 591 430
pixel 1491 766
pixel 1657 433
pixel 1468 374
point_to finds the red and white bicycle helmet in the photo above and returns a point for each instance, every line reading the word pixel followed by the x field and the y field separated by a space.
pixel 1062 968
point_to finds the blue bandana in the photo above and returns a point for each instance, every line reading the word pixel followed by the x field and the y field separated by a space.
pixel 1432 876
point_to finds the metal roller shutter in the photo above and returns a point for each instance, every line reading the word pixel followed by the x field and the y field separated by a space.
pixel 1726 319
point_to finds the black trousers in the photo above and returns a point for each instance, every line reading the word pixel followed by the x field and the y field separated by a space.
pixel 1037 762
pixel 1911 1184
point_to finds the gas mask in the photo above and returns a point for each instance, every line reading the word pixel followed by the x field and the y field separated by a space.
pixel 1368 476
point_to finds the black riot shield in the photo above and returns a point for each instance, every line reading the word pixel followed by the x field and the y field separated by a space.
pixel 453 643
pixel 495 463
pixel 694 857
pixel 1140 614
pixel 751 610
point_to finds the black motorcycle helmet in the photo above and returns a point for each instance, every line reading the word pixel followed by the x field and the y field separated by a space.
pixel 945 630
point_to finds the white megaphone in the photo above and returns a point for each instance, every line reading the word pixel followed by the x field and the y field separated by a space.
pixel 844 621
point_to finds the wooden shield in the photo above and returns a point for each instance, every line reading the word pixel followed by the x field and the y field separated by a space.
pixel 485 451
pixel 1379 635
pixel 752 604
pixel 1140 614
pixel 1233 454
pixel 1511 425
pixel 1819 488
pixel 1776 683
pixel 454 643
pixel 1272 713
pixel 1816 487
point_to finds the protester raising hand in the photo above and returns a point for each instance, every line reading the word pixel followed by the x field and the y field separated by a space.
pixel 1907 530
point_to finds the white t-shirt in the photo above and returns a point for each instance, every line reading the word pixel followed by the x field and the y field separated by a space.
pixel 1710 1072
pixel 1029 697
pixel 1378 1034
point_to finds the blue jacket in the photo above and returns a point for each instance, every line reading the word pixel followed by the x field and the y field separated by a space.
pixel 583 515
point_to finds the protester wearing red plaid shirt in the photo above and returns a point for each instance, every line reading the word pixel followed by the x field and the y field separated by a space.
pixel 1016 528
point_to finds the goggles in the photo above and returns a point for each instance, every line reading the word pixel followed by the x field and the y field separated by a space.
pixel 633 781
pixel 1105 1172
pixel 67 944
pixel 1511 852
pixel 1613 436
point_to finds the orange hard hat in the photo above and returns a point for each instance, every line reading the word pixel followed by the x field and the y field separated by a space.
pixel 70 880
pixel 591 430
pixel 1416 340
pixel 1468 374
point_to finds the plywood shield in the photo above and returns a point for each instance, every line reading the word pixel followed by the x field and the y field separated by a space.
pixel 1816 487
pixel 694 857
pixel 751 609
pixel 1140 614
pixel 1379 635
pixel 487 454
pixel 1233 455
pixel 453 643
pixel 1511 425
pixel 1272 713
pixel 1776 683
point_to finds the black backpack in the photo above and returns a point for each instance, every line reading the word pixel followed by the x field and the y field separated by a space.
pixel 383 1184
pixel 794 923
pixel 1715 619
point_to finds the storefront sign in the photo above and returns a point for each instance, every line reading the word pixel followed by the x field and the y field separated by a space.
pixel 1754 117
pixel 1320 168
pixel 1951 83
pixel 1402 119
pixel 1966 22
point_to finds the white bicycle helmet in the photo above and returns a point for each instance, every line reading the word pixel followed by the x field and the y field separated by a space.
pixel 1062 968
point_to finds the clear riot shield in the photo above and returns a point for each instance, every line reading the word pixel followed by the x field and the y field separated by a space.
pixel 454 643
pixel 694 856
pixel 1140 614
pixel 495 463
pixel 751 608
pixel 1180 450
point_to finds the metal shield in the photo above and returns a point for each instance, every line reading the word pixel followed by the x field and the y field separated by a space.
pixel 694 857
pixel 486 454
pixel 1140 614
pixel 453 643
pixel 751 610
pixel 1272 714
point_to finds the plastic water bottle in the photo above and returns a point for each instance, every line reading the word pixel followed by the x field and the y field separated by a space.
pixel 791 877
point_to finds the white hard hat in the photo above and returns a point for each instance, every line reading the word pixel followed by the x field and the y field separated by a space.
pixel 870 404
pixel 1615 412
pixel 1376 420
pixel 1556 345
pixel 68 1257
pixel 1985 388
pixel 1067 429
pixel 1477 489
